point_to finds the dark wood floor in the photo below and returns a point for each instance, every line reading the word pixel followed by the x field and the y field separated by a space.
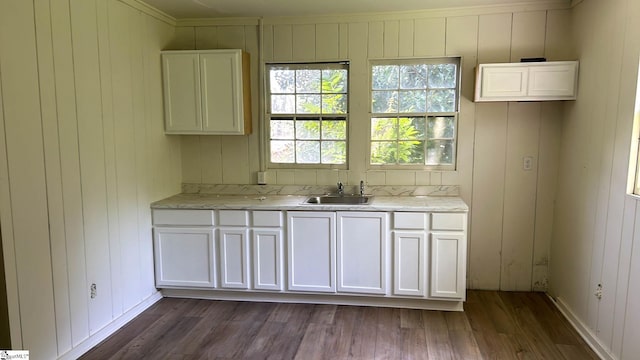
pixel 495 325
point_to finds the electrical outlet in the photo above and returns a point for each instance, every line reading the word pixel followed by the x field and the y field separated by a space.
pixel 94 291
pixel 598 293
pixel 527 163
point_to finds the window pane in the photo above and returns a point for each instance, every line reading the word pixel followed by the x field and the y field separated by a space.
pixel 384 77
pixel 442 76
pixel 440 152
pixel 441 100
pixel 282 129
pixel 334 152
pixel 282 81
pixel 334 81
pixel 308 104
pixel 283 104
pixel 413 77
pixel 384 129
pixel 308 152
pixel 411 152
pixel 334 130
pixel 308 130
pixel 442 127
pixel 308 81
pixel 384 152
pixel 411 128
pixel 282 152
pixel 334 104
pixel 412 101
pixel 384 102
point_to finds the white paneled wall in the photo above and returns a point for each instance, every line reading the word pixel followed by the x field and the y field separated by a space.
pixel 83 154
pixel 512 209
pixel 596 235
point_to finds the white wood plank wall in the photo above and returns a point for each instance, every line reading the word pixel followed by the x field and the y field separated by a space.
pixel 510 227
pixel 83 154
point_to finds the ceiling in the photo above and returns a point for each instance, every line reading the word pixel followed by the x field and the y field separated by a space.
pixel 185 9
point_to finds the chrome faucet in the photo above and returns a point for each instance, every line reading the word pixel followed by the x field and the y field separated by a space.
pixel 340 188
pixel 361 188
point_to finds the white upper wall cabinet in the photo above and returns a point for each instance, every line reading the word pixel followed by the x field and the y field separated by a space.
pixel 206 92
pixel 527 81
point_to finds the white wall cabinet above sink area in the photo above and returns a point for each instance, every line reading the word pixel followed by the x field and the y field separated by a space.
pixel 527 81
pixel 206 92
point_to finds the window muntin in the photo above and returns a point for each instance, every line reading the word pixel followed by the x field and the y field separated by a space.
pixel 307 114
pixel 414 111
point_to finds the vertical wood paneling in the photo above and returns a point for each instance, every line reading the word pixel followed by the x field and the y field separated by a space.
pixel 327 39
pixel 558 44
pixel 252 46
pixel 494 38
pixel 184 39
pixel 631 345
pixel 206 37
pixel 267 42
pixel 429 37
pixel 376 40
pixel 405 38
pixel 391 38
pixel 91 149
pixel 110 158
pixel 231 37
pixel 304 42
pixel 358 100
pixel 54 177
pixel 462 40
pixel 26 177
pixel 282 43
pixel 70 169
pixel 343 38
pixel 519 197
pixel 528 35
pixel 488 192
pixel 125 137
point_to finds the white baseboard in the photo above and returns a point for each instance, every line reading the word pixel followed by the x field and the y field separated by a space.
pixel 587 335
pixel 110 329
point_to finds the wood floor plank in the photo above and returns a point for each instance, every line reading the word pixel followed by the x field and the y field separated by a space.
pixel 495 325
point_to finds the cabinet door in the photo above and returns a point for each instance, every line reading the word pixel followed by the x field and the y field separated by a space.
pixel 184 257
pixel 222 92
pixel 448 252
pixel 501 82
pixel 311 251
pixel 362 252
pixel 181 78
pixel 267 257
pixel 409 256
pixel 553 80
pixel 234 258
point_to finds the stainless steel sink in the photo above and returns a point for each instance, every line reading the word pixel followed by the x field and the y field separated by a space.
pixel 339 200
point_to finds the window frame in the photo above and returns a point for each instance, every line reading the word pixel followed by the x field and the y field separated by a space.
pixel 323 65
pixel 426 115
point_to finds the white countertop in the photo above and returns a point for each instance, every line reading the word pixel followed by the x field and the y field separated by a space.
pixel 297 202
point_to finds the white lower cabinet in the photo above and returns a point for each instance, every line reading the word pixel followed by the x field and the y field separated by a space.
pixel 185 257
pixel 234 258
pixel 409 257
pixel 311 250
pixel 267 259
pixel 448 265
pixel 362 252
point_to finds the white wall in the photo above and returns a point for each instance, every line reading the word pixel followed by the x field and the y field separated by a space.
pixel 596 237
pixel 82 154
pixel 511 209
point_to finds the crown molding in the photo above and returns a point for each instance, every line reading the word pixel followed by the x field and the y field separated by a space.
pixel 218 21
pixel 151 11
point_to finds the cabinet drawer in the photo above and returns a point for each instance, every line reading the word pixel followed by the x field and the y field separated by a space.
pixel 409 220
pixel 448 221
pixel 183 217
pixel 233 217
pixel 267 218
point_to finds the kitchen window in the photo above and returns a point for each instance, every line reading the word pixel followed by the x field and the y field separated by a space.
pixel 633 183
pixel 307 113
pixel 414 113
